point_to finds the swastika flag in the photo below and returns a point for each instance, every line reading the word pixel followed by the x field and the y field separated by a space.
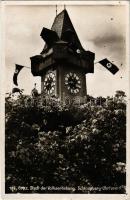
pixel 108 65
pixel 17 70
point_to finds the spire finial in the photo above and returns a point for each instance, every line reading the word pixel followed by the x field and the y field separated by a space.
pixel 64 6
pixel 56 10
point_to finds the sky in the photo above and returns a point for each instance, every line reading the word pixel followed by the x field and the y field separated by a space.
pixel 100 28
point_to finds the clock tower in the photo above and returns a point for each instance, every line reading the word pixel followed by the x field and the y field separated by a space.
pixel 63 63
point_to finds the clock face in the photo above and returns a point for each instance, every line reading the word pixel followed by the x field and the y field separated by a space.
pixel 49 83
pixel 72 82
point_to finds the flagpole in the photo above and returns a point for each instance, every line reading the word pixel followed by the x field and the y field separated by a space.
pixel 24 66
pixel 96 62
pixel 27 67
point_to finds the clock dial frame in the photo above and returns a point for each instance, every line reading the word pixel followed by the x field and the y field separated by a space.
pixel 72 83
pixel 49 83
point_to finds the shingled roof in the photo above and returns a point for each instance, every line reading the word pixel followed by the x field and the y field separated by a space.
pixel 61 25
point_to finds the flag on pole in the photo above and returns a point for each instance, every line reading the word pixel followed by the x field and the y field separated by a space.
pixel 49 36
pixel 108 65
pixel 17 70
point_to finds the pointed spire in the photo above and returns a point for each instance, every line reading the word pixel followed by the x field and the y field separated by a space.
pixel 63 25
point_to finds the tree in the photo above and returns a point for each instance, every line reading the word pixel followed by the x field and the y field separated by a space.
pixel 50 144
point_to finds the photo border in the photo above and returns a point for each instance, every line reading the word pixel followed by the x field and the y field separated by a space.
pixel 3 4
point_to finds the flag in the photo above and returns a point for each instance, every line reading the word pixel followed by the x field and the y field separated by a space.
pixel 17 70
pixel 49 36
pixel 108 65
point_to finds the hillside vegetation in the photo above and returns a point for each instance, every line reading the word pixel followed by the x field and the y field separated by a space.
pixel 79 146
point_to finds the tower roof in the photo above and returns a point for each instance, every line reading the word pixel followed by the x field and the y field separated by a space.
pixel 62 45
pixel 62 24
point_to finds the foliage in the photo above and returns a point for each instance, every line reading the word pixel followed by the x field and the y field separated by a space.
pixel 53 144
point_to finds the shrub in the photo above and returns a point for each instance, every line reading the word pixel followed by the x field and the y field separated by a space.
pixel 62 145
